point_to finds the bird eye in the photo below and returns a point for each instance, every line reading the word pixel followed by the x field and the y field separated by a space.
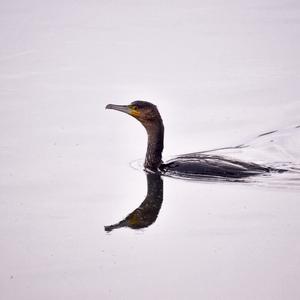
pixel 134 107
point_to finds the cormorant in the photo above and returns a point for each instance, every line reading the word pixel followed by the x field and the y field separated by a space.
pixel 194 165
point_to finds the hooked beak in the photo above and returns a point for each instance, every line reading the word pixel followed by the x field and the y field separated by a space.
pixel 122 108
pixel 128 109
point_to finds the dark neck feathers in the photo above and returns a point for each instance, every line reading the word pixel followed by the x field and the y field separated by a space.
pixel 155 131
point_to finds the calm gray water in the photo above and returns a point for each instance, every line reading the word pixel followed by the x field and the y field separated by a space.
pixel 221 74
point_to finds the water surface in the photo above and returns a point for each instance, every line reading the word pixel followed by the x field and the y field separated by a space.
pixel 221 74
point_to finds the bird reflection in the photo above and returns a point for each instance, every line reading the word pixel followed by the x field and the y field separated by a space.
pixel 146 214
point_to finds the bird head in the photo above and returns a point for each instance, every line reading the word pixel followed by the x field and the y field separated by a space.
pixel 143 111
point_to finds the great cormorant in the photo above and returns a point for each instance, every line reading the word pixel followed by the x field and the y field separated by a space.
pixel 194 165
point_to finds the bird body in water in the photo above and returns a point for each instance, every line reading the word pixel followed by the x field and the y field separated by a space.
pixel 194 165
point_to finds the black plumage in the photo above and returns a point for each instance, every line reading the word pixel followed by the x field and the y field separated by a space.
pixel 194 165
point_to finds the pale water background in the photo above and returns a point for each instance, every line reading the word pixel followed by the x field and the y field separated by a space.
pixel 221 73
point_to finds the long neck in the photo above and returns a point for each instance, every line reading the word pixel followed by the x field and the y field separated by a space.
pixel 155 146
